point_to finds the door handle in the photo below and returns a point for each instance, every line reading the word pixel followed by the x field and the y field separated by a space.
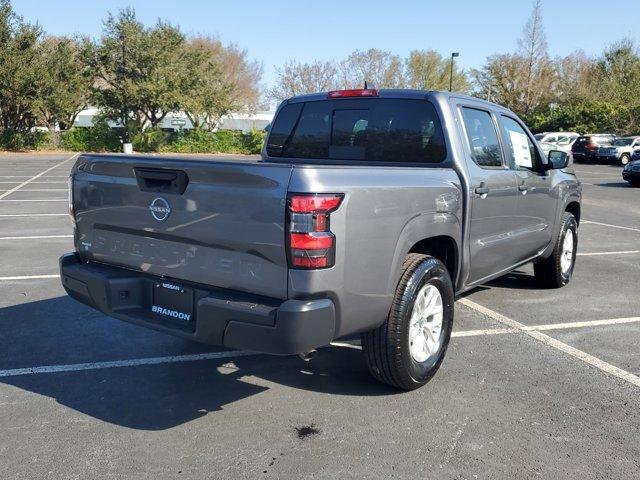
pixel 482 189
pixel 523 187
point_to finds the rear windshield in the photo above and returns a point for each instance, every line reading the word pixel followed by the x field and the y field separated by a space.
pixel 622 142
pixel 368 129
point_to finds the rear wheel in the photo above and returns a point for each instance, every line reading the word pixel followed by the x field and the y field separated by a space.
pixel 556 271
pixel 408 348
pixel 625 158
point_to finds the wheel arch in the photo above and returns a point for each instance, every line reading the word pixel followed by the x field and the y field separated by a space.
pixel 442 247
pixel 574 209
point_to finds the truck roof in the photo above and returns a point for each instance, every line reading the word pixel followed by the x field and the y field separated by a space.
pixel 402 93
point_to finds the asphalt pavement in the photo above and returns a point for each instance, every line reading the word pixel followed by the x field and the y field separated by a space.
pixel 536 383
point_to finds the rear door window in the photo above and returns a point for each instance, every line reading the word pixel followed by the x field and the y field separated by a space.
pixel 281 130
pixel 482 137
pixel 379 130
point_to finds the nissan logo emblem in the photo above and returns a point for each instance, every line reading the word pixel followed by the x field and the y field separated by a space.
pixel 160 209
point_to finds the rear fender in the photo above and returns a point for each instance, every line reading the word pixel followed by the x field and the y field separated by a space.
pixel 422 227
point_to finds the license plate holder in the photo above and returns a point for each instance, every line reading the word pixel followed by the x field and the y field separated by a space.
pixel 172 302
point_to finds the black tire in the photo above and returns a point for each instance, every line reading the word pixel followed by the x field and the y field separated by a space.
pixel 548 271
pixel 634 183
pixel 625 158
pixel 387 349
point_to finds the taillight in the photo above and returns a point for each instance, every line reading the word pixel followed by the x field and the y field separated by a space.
pixel 591 146
pixel 357 92
pixel 70 197
pixel 311 243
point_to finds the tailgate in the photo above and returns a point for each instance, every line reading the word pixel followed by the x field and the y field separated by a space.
pixel 218 223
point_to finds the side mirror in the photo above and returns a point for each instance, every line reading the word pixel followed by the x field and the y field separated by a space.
pixel 557 159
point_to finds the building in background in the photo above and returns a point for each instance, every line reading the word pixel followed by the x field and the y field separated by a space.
pixel 244 122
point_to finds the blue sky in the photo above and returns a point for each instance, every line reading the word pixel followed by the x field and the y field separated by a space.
pixel 274 31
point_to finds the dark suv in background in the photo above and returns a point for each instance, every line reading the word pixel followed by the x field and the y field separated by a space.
pixel 585 148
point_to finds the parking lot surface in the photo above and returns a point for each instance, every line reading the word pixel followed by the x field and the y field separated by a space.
pixel 536 383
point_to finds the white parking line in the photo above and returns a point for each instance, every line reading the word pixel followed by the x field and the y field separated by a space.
pixel 34 215
pixel 32 200
pixel 29 176
pixel 75 367
pixel 557 344
pixel 550 326
pixel 34 237
pixel 44 190
pixel 587 323
pixel 621 252
pixel 44 182
pixel 477 333
pixel 26 182
pixel 28 277
pixel 612 226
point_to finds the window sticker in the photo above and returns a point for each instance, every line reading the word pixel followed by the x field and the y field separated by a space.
pixel 521 152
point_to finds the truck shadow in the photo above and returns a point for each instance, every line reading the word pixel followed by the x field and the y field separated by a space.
pixel 59 331
pixel 515 280
pixel 613 185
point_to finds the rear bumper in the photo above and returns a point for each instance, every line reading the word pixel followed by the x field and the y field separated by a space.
pixel 221 317
pixel 608 158
pixel 583 156
pixel 631 175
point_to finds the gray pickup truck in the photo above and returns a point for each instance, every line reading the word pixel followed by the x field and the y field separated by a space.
pixel 369 211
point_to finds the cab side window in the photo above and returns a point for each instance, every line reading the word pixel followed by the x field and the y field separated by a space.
pixel 521 151
pixel 482 137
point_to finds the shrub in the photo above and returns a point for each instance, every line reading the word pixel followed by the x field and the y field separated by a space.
pixel 149 140
pixel 224 141
pixel 102 138
pixel 99 138
pixel 228 141
pixel 190 141
pixel 18 141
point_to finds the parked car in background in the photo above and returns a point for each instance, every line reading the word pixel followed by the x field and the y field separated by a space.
pixel 547 147
pixel 585 147
pixel 620 150
pixel 631 171
pixel 556 140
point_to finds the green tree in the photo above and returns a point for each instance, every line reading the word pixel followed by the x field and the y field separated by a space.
pixel 296 78
pixel 142 71
pixel 20 75
pixel 588 116
pixel 522 81
pixel 223 80
pixel 378 68
pixel 428 70
pixel 65 85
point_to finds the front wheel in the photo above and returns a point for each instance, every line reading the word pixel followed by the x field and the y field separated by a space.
pixel 624 159
pixel 408 348
pixel 556 271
